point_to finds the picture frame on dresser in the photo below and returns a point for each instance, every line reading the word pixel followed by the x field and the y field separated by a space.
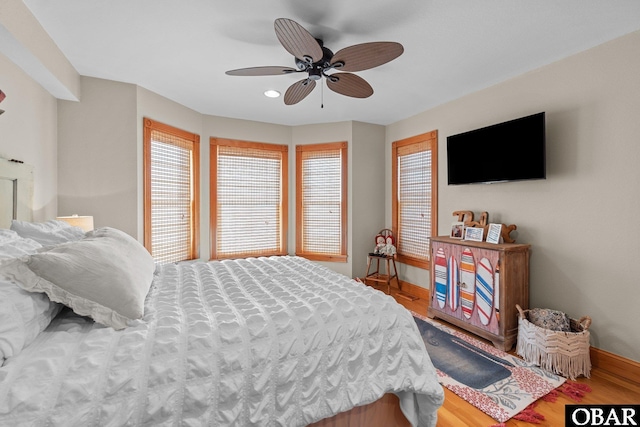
pixel 473 233
pixel 493 235
pixel 457 230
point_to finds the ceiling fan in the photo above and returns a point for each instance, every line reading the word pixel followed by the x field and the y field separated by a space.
pixel 313 58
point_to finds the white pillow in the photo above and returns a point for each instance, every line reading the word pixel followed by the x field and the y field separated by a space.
pixel 23 315
pixel 48 233
pixel 8 235
pixel 14 246
pixel 106 276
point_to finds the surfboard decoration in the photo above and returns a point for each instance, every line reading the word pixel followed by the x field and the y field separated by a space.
pixel 453 283
pixel 441 277
pixel 467 282
pixel 496 292
pixel 484 290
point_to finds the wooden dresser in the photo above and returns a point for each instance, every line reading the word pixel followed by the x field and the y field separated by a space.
pixel 491 278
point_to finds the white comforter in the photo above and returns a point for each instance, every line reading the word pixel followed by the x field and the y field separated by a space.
pixel 270 341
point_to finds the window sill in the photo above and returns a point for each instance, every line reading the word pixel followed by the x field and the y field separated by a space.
pixel 323 257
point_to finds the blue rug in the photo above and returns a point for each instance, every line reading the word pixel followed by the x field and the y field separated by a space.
pixel 465 363
pixel 497 383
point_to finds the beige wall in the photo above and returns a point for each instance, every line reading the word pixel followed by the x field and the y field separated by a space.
pixel 578 220
pixel 97 154
pixel 100 159
pixel 367 190
pixel 28 133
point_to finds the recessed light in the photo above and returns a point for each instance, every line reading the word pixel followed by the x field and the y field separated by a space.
pixel 271 93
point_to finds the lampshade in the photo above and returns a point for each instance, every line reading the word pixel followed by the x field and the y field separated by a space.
pixel 84 222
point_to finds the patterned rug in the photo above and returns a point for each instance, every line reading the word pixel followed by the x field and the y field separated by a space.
pixel 499 384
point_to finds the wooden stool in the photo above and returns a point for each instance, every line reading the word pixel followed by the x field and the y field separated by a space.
pixel 376 276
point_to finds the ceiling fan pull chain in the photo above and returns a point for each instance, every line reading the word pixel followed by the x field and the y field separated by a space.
pixel 322 94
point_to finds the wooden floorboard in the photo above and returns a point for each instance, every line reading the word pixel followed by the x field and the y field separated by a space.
pixel 606 389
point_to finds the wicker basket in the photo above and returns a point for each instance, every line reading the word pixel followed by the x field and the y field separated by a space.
pixel 564 353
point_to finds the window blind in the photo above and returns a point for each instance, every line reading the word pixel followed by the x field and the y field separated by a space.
pixel 414 198
pixel 170 194
pixel 321 209
pixel 414 201
pixel 250 201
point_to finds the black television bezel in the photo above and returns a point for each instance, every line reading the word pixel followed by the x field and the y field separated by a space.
pixel 477 133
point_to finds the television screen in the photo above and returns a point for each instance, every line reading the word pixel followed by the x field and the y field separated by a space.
pixel 509 151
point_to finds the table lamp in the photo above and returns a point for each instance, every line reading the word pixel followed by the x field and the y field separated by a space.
pixel 84 222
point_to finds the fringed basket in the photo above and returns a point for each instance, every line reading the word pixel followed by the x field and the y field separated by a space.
pixel 564 353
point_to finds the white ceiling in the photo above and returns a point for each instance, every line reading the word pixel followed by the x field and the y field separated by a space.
pixel 181 49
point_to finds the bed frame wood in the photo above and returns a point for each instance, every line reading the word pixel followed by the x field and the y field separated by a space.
pixel 384 412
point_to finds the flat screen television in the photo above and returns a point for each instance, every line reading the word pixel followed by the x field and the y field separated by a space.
pixel 509 151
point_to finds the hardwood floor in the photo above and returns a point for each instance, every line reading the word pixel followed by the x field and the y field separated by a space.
pixel 606 388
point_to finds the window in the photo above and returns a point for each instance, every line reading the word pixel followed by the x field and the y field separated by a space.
pixel 415 196
pixel 321 201
pixel 249 198
pixel 171 202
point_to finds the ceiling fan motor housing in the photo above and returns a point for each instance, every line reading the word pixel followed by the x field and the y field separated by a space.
pixel 315 69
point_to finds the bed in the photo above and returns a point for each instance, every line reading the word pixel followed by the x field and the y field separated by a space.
pixel 278 341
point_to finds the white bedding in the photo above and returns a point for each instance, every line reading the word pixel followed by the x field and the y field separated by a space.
pixel 275 341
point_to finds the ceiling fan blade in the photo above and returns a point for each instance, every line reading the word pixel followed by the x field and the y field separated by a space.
pixel 366 55
pixel 349 85
pixel 297 41
pixel 261 71
pixel 298 91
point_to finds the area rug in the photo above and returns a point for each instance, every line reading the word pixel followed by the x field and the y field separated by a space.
pixel 497 383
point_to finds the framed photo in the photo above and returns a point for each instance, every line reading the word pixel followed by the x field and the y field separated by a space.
pixel 457 230
pixel 493 235
pixel 474 234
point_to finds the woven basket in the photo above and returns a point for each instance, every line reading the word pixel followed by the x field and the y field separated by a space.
pixel 564 353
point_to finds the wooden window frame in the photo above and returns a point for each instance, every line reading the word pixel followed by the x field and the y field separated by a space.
pixel 430 139
pixel 214 142
pixel 148 127
pixel 342 256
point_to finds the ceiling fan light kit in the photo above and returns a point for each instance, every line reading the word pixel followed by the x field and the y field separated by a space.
pixel 313 58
